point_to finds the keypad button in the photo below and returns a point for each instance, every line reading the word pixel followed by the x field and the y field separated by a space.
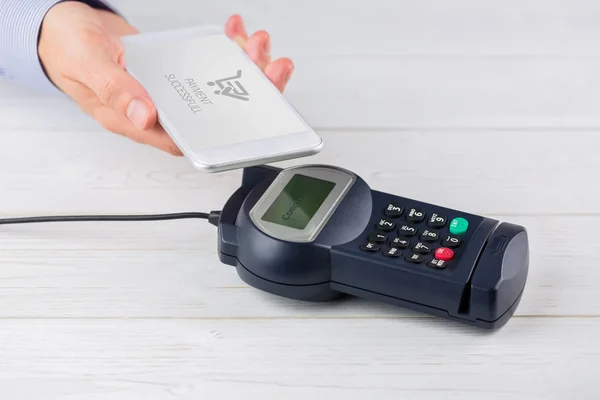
pixel 414 258
pixel 444 253
pixel 385 224
pixel 421 248
pixel 378 237
pixel 437 263
pixel 429 236
pixel 393 252
pixel 436 221
pixel 393 210
pixel 415 215
pixel 400 243
pixel 407 230
pixel 370 246
pixel 451 241
pixel 458 226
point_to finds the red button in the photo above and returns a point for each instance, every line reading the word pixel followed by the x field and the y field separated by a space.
pixel 444 253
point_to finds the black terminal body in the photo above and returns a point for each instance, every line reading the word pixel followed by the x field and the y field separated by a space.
pixel 316 233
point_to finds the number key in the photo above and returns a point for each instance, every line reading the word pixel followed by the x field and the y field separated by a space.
pixel 393 210
pixel 429 236
pixel 378 237
pixel 421 248
pixel 400 243
pixel 385 224
pixel 451 241
pixel 407 230
pixel 415 215
pixel 437 221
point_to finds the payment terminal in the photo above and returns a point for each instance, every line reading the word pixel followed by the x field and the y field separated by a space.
pixel 319 232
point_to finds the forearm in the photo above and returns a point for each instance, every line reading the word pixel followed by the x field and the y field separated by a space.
pixel 20 24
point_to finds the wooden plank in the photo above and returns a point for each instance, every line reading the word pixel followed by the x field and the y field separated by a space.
pixel 481 171
pixel 170 269
pixel 272 359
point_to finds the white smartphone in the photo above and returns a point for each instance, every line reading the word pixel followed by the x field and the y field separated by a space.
pixel 215 102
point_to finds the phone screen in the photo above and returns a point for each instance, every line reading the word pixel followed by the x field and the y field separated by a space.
pixel 210 93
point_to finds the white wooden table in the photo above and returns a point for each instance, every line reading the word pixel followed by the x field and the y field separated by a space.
pixel 492 108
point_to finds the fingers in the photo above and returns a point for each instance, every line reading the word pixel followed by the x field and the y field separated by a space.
pixel 258 48
pixel 154 136
pixel 279 72
pixel 102 71
pixel 113 122
pixel 235 30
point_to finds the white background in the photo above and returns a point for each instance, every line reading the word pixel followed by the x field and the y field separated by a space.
pixel 489 107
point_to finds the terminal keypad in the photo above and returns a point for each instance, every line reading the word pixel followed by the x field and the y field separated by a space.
pixel 416 235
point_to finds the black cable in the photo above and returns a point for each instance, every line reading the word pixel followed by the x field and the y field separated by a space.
pixel 212 217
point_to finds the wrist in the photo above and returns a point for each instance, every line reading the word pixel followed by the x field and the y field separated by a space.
pixel 61 13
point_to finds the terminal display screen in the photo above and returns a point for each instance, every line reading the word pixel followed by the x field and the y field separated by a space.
pixel 298 202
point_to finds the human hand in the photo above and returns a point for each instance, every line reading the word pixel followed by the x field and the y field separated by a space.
pixel 81 52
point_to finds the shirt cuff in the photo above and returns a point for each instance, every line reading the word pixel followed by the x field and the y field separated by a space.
pixel 19 36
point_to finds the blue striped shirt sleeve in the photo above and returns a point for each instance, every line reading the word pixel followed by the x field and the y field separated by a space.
pixel 20 23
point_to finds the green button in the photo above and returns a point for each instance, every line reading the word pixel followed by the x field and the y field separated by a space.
pixel 458 226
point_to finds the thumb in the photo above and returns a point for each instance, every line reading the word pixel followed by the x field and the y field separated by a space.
pixel 119 91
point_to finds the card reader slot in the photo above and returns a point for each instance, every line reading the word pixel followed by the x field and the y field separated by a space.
pixel 464 306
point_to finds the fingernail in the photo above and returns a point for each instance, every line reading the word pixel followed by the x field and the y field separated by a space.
pixel 137 112
pixel 289 73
